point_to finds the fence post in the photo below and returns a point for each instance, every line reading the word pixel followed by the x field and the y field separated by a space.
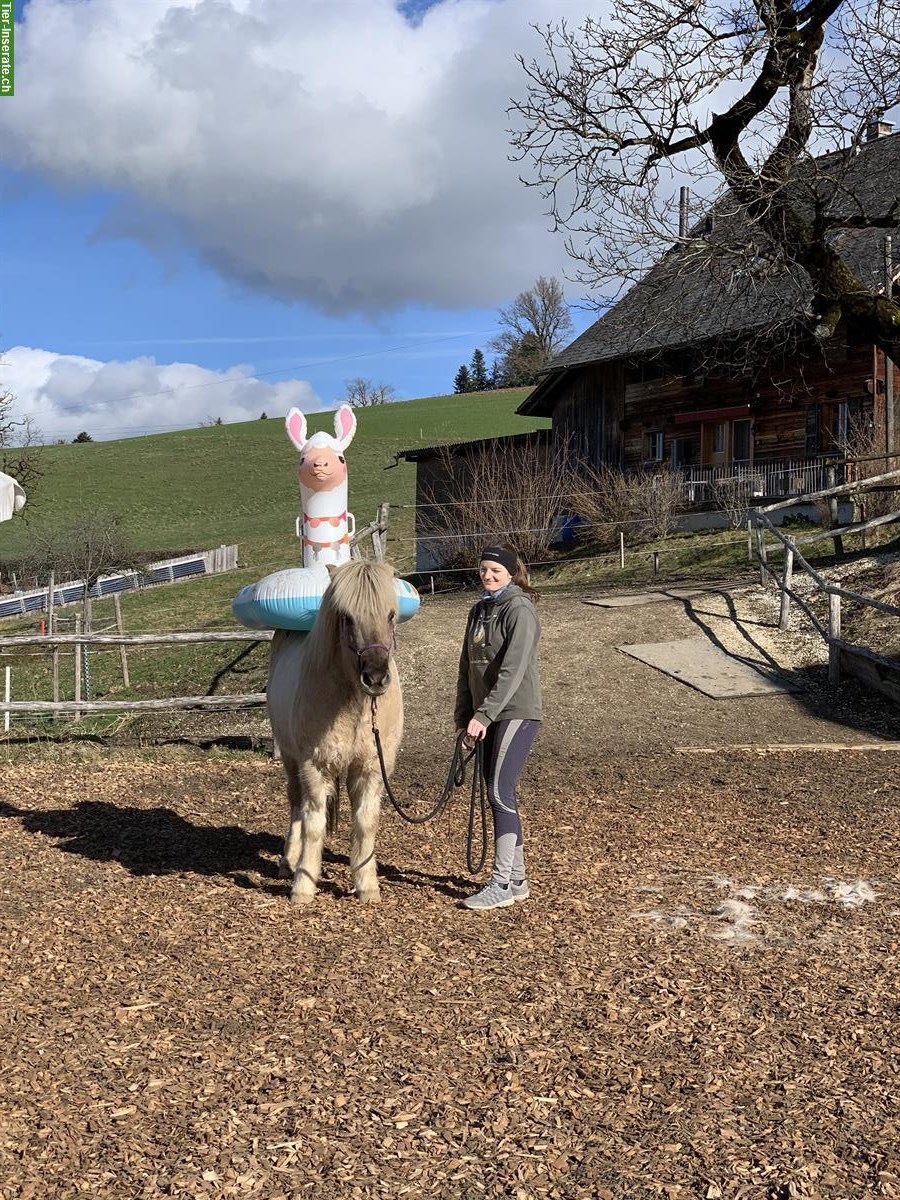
pixel 838 541
pixel 117 605
pixel 784 618
pixel 51 629
pixel 77 648
pixel 7 691
pixel 762 554
pixel 750 541
pixel 655 562
pixel 379 536
pixel 834 634
pixel 621 549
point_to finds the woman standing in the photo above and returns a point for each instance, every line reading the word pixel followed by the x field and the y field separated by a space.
pixel 498 699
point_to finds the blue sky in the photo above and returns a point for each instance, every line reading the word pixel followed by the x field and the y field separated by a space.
pixel 192 233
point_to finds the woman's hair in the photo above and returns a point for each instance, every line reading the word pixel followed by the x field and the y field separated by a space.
pixel 520 577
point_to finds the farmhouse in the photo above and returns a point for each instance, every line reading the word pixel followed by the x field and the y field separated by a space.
pixel 640 387
pixel 647 387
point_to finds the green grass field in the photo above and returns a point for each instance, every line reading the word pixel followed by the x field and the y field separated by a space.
pixel 204 487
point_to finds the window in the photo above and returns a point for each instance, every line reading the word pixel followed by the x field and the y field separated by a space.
pixel 685 450
pixel 740 442
pixel 837 424
pixel 719 437
pixel 654 444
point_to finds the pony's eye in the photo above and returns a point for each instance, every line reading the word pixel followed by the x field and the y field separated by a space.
pixel 391 616
pixel 341 458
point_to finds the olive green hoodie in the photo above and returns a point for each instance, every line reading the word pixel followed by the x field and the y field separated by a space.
pixel 498 675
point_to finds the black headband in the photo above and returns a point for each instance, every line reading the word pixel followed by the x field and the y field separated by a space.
pixel 497 554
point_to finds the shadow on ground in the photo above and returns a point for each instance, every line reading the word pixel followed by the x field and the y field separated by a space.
pixel 851 705
pixel 157 841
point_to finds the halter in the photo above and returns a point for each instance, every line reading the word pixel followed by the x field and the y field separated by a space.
pixel 359 651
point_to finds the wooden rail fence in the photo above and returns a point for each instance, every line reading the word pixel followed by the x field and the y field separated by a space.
pixel 79 706
pixel 53 641
pixel 874 670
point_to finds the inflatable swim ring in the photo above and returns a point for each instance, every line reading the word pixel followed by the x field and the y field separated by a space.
pixel 290 599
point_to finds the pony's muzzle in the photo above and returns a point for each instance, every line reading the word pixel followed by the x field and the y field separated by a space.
pixel 374 668
pixel 375 679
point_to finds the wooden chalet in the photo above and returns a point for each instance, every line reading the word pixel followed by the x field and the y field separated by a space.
pixel 636 389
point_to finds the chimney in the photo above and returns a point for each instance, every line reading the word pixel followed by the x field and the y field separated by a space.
pixel 683 213
pixel 877 128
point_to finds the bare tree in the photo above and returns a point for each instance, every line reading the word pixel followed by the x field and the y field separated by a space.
pixel 744 101
pixel 87 547
pixel 645 506
pixel 20 446
pixel 508 493
pixel 733 497
pixel 363 393
pixel 537 319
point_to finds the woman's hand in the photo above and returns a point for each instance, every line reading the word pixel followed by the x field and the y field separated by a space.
pixel 475 731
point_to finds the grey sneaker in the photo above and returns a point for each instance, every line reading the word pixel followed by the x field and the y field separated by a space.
pixel 492 895
pixel 520 891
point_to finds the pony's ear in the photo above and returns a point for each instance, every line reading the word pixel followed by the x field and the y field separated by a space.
pixel 331 568
pixel 344 425
pixel 295 424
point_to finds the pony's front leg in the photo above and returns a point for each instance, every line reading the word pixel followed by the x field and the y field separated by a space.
pixel 316 789
pixel 287 868
pixel 365 805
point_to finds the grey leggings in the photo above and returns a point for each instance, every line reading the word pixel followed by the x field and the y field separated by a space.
pixel 506 747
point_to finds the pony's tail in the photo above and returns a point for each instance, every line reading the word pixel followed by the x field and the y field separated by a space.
pixel 333 808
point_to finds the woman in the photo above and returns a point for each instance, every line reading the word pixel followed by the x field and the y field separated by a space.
pixel 498 699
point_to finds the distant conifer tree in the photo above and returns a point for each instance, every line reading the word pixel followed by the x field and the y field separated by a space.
pixel 478 372
pixel 463 380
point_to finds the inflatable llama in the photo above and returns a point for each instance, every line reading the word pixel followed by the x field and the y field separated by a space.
pixel 326 524
pixel 290 598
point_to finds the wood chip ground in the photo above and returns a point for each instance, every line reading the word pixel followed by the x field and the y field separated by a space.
pixel 700 1000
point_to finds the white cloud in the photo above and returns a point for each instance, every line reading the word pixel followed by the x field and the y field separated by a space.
pixel 323 150
pixel 64 394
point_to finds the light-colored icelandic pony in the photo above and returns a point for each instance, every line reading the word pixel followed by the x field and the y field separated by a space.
pixel 320 693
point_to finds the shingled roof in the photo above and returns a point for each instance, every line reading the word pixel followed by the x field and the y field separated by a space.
pixel 699 292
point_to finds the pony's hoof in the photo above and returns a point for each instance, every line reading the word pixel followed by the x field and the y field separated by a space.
pixel 371 897
pixel 285 870
pixel 298 899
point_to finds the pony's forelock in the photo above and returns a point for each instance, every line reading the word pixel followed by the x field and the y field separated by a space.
pixel 362 591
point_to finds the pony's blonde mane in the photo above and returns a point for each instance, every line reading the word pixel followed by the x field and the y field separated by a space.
pixel 363 591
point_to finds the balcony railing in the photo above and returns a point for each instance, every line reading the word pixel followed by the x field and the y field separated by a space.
pixel 772 480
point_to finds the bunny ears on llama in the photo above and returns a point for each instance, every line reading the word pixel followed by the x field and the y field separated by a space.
pixel 344 429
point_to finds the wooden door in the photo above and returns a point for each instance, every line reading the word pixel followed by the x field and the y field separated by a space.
pixel 716 448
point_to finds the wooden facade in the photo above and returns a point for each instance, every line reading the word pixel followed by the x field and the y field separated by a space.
pixel 636 414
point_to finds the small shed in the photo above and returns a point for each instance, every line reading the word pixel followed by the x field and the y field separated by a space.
pixel 443 474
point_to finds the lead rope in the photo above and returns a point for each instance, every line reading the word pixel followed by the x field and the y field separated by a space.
pixel 456 778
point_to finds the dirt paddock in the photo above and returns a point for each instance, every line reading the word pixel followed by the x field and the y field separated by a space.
pixel 700 1000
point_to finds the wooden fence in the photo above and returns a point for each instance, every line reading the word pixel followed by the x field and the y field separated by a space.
pixel 79 705
pixel 874 670
pixel 376 530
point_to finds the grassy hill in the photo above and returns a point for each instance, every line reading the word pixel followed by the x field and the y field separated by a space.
pixel 203 487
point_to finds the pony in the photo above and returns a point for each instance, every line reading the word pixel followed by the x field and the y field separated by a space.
pixel 320 701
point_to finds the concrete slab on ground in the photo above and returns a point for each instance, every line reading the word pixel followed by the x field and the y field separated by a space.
pixel 661 597
pixel 703 666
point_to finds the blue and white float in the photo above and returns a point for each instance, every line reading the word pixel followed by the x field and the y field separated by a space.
pixel 290 599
